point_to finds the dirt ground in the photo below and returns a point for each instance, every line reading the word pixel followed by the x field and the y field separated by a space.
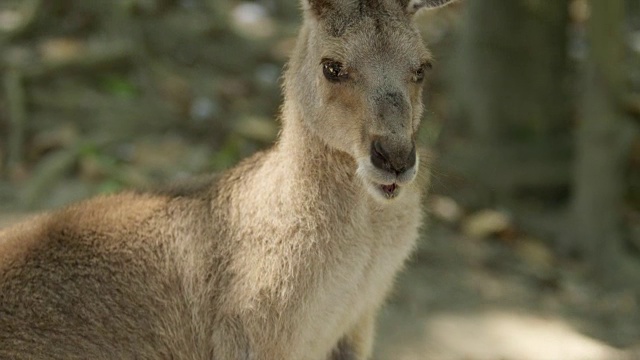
pixel 469 299
pixel 466 299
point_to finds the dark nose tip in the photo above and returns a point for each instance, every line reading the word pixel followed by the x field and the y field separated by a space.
pixel 395 162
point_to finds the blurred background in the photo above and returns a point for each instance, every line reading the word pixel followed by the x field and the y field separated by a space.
pixel 532 250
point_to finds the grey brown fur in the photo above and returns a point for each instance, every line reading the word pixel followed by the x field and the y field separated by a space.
pixel 287 256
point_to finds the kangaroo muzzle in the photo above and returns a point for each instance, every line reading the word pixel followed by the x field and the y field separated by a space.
pixel 392 156
pixel 393 149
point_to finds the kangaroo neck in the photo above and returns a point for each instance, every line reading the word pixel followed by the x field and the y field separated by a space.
pixel 312 156
pixel 307 170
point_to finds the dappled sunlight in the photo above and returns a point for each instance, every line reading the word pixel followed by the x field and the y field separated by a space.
pixel 494 335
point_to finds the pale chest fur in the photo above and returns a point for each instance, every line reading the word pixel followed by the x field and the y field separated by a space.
pixel 358 280
pixel 321 279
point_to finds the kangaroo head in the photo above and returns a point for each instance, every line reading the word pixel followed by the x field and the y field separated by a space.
pixel 357 76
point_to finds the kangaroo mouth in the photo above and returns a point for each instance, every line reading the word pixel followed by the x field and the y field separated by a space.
pixel 383 185
pixel 390 191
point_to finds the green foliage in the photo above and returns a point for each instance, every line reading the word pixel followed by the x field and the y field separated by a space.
pixel 118 85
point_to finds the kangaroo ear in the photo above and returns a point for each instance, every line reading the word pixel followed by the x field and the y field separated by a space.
pixel 413 6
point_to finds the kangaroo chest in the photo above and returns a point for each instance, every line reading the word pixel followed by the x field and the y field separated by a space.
pixel 355 276
pixel 303 279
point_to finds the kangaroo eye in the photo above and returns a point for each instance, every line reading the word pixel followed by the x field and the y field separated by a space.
pixel 334 71
pixel 419 74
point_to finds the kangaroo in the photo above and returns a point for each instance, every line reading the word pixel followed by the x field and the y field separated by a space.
pixel 287 256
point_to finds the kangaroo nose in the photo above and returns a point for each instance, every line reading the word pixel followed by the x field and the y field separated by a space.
pixel 395 162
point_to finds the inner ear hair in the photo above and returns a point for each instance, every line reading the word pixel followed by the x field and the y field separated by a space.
pixel 414 5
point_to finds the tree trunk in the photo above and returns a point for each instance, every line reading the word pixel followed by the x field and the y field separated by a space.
pixel 602 144
pixel 511 84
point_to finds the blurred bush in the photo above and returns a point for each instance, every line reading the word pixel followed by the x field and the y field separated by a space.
pixel 98 95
